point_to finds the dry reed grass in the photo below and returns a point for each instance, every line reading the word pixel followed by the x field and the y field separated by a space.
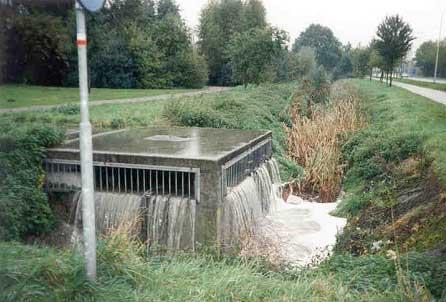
pixel 314 140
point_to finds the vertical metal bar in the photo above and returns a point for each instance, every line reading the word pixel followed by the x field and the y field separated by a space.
pixel 125 180
pixel 170 184
pixel 163 174
pixel 144 180
pixel 182 184
pixel 150 181
pixel 119 180
pixel 176 183
pixel 189 184
pixel 131 180
pixel 156 182
pixel 137 180
pixel 106 179
pixel 100 177
pixel 113 179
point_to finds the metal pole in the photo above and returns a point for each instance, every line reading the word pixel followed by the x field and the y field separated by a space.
pixel 88 216
pixel 438 48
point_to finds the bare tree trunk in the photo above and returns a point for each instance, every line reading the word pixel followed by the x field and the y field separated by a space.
pixel 382 76
pixel 391 77
pixel 371 73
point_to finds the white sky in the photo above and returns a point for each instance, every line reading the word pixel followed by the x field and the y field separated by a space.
pixel 351 21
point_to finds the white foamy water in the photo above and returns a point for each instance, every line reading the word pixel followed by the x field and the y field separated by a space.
pixel 305 231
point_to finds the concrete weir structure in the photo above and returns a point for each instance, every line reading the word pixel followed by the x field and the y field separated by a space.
pixel 194 164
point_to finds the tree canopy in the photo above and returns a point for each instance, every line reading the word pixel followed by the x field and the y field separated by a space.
pixel 132 44
pixel 326 46
pixel 425 57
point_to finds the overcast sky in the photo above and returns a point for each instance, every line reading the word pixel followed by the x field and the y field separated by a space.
pixel 352 21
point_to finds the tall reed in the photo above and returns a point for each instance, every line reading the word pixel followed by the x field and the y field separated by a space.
pixel 315 136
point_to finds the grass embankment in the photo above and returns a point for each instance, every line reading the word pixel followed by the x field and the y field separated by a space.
pixel 396 174
pixel 431 85
pixel 126 273
pixel 16 96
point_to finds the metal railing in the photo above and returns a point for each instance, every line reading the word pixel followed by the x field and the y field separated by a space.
pixel 65 175
pixel 241 166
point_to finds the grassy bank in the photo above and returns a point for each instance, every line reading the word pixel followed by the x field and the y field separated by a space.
pixel 395 174
pixel 431 85
pixel 125 273
pixel 16 96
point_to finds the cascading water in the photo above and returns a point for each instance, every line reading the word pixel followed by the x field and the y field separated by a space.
pixel 171 221
pixel 252 199
pixel 111 209
pixel 168 220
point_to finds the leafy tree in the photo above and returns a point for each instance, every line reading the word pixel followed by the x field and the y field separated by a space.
pixel 425 57
pixel 326 46
pixel 360 57
pixel 344 67
pixel 394 40
pixel 220 21
pixel 251 55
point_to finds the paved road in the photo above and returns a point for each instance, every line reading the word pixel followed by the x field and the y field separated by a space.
pixel 125 101
pixel 435 95
pixel 430 80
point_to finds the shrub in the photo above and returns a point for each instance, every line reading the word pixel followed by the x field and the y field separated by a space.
pixel 24 208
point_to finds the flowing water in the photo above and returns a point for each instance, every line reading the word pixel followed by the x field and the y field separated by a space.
pixel 170 221
pixel 245 204
pixel 111 209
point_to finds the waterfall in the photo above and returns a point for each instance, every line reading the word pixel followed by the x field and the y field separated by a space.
pixel 111 209
pixel 170 221
pixel 254 198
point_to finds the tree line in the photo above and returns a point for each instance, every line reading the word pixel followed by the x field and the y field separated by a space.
pixel 146 44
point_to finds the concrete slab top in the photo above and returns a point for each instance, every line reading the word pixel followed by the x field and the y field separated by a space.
pixel 171 142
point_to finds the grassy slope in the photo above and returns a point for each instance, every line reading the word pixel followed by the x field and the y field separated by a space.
pixel 41 274
pixel 25 95
pixel 436 86
pixel 400 110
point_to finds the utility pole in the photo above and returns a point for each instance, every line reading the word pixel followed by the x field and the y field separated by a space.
pixel 86 150
pixel 438 48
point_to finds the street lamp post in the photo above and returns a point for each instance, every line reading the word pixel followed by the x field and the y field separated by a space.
pixel 86 154
pixel 438 48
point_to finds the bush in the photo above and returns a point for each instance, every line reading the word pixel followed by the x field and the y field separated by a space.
pixel 24 208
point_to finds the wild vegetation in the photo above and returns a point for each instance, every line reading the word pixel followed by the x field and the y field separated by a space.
pixel 315 138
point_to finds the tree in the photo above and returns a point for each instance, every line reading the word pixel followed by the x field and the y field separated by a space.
pixel 344 67
pixel 326 46
pixel 220 21
pixel 425 57
pixel 360 57
pixel 394 40
pixel 251 55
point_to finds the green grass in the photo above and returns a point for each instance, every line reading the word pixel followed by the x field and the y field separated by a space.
pixel 30 273
pixel 16 96
pixel 404 112
pixel 436 86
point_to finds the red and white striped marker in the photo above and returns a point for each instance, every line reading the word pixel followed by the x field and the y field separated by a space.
pixel 81 39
